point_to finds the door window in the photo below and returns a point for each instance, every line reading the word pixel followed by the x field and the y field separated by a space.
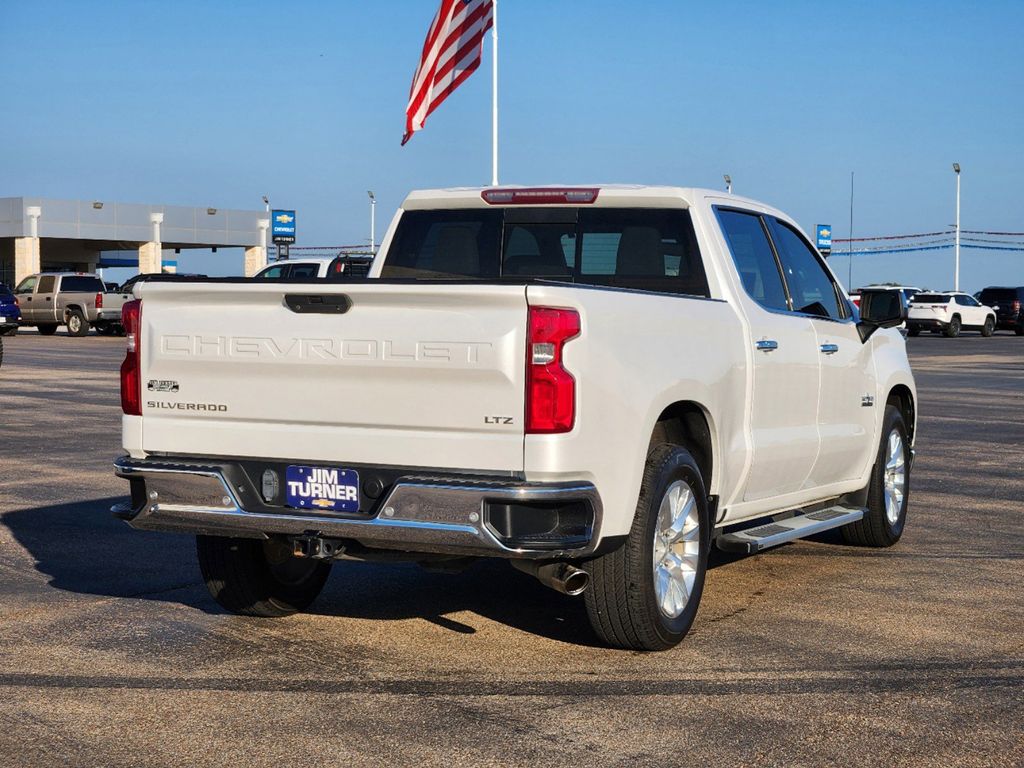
pixel 810 287
pixel 46 283
pixel 26 285
pixel 753 257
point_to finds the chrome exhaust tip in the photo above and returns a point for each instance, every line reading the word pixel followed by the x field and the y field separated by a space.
pixel 561 577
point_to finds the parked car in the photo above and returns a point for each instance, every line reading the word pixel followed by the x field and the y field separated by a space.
pixel 1007 303
pixel 10 312
pixel 74 299
pixel 316 267
pixel 950 313
pixel 597 393
pixel 114 300
pixel 9 316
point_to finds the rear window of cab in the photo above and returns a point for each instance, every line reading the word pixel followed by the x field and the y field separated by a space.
pixel 639 248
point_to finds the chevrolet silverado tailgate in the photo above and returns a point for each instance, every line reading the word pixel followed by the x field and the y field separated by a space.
pixel 407 375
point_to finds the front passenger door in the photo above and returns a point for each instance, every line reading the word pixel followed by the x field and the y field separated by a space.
pixel 847 411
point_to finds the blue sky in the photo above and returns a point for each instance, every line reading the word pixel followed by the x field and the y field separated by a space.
pixel 218 103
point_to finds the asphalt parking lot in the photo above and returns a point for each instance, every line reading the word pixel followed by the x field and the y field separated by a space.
pixel 112 653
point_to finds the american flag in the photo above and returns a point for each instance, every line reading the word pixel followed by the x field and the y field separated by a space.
pixel 451 53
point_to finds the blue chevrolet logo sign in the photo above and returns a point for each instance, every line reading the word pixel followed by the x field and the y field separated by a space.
pixel 282 226
pixel 824 235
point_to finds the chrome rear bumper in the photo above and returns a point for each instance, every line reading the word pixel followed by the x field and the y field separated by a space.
pixel 417 513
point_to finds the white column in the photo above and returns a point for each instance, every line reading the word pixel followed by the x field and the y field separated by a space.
pixel 151 253
pixel 256 256
pixel 26 249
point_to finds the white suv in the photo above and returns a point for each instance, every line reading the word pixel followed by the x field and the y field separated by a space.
pixel 950 313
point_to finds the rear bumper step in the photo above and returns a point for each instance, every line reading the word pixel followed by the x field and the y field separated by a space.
pixel 417 513
pixel 768 535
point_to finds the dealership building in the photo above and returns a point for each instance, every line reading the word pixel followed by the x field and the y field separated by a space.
pixel 41 234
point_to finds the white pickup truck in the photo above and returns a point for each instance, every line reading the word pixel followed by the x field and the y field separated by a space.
pixel 598 384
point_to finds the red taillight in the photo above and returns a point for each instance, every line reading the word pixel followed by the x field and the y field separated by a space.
pixel 99 301
pixel 550 388
pixel 1016 305
pixel 131 375
pixel 540 196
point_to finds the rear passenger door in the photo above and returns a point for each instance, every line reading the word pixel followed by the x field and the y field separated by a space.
pixel 846 408
pixel 785 364
pixel 43 300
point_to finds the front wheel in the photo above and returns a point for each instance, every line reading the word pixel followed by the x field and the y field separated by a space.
pixel 888 489
pixel 644 595
pixel 259 578
pixel 989 327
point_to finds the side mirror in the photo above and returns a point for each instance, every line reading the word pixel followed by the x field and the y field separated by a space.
pixel 882 309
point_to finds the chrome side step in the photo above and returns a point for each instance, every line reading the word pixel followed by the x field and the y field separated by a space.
pixel 772 534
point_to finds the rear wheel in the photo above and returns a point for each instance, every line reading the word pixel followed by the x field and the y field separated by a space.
pixel 889 488
pixel 644 595
pixel 255 577
pixel 77 324
pixel 953 329
pixel 47 329
pixel 989 327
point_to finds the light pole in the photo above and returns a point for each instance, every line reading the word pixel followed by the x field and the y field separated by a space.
pixel 373 222
pixel 266 203
pixel 728 183
pixel 956 247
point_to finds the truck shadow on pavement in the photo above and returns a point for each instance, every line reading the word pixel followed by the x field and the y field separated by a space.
pixel 83 549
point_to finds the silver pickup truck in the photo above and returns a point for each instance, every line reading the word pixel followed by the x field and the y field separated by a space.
pixel 74 299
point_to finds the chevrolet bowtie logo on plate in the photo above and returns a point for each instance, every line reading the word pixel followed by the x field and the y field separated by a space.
pixel 284 218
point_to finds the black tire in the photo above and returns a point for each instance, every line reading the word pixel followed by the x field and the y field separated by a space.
pixel 1019 330
pixel 989 327
pixel 913 331
pixel 953 329
pixel 621 599
pixel 875 529
pixel 77 324
pixel 255 577
pixel 47 329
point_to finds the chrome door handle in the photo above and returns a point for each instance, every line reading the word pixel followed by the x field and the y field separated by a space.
pixel 829 349
pixel 767 345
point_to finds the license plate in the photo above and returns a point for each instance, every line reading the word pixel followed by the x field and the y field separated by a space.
pixel 327 489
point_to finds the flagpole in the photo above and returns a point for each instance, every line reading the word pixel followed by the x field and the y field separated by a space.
pixel 494 95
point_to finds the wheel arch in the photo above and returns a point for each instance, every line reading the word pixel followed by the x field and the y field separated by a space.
pixel 902 398
pixel 688 424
